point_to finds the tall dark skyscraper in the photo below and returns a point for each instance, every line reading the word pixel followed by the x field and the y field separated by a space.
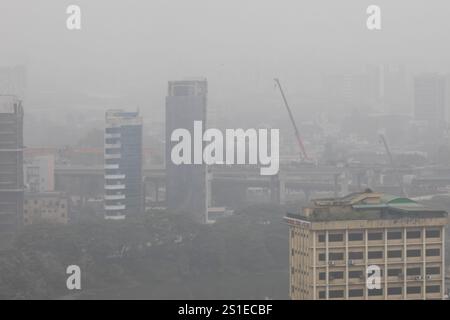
pixel 186 183
pixel 123 165
pixel 11 167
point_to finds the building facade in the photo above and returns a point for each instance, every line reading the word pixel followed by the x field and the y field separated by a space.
pixel 186 183
pixel 123 165
pixel 11 167
pixel 39 173
pixel 367 246
pixel 45 206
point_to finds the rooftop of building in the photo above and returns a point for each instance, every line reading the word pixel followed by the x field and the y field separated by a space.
pixel 10 104
pixel 367 205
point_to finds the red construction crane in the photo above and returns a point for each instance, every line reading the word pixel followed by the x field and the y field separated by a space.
pixel 393 165
pixel 303 153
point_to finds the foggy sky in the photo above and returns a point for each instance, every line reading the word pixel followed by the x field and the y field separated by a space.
pixel 132 48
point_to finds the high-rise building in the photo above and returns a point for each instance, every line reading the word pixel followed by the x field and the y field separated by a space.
pixel 367 246
pixel 11 167
pixel 186 183
pixel 123 165
pixel 429 99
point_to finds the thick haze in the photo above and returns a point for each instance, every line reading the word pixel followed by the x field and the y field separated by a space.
pixel 130 49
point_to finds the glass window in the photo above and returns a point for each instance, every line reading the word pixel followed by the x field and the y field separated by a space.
pixel 433 233
pixel 355 274
pixel 321 256
pixel 413 253
pixel 394 253
pixel 413 271
pixel 336 293
pixel 413 234
pixel 336 275
pixel 335 237
pixel 355 293
pixel 375 292
pixel 335 256
pixel 322 276
pixel 355 255
pixel 395 290
pixel 433 289
pixel 394 235
pixel 321 238
pixel 375 254
pixel 355 236
pixel 433 270
pixel 433 252
pixel 321 294
pixel 375 236
pixel 412 290
pixel 394 272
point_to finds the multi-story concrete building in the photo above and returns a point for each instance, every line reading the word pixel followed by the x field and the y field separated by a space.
pixel 45 206
pixel 186 183
pixel 337 243
pixel 11 167
pixel 39 173
pixel 123 165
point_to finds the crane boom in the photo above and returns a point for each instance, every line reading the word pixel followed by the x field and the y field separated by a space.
pixel 297 133
pixel 394 167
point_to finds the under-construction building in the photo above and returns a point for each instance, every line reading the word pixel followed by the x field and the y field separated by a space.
pixel 11 167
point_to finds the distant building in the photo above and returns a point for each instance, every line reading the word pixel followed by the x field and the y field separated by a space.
pixel 13 81
pixel 336 242
pixel 123 165
pixel 11 167
pixel 45 206
pixel 40 173
pixel 429 100
pixel 186 183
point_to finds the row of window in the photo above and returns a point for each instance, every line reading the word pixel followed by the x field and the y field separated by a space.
pixel 392 272
pixel 354 293
pixel 49 203
pixel 359 255
pixel 379 235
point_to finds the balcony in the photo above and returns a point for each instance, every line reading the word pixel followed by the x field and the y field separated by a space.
pixel 113 146
pixel 115 217
pixel 114 186
pixel 112 156
pixel 111 166
pixel 115 207
pixel 115 197
pixel 114 176
pixel 112 135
